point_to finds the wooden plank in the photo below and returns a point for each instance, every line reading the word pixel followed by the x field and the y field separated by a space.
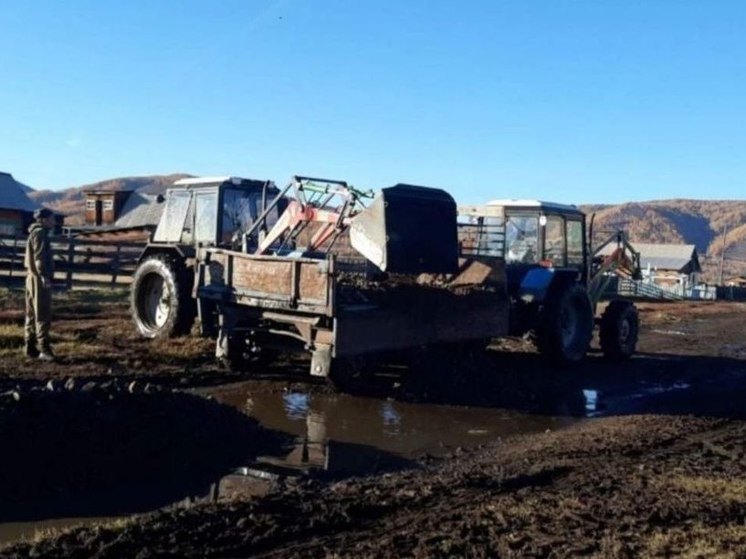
pixel 13 257
pixel 70 261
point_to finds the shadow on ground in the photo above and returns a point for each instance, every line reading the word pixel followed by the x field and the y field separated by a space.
pixel 73 453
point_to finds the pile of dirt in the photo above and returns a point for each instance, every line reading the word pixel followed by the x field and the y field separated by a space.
pixel 640 486
pixel 70 448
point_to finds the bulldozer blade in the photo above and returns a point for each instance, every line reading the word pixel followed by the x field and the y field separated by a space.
pixel 408 230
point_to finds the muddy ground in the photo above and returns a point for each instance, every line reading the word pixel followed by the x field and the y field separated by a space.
pixel 654 467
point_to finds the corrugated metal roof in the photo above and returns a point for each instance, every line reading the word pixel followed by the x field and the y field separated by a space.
pixel 13 195
pixel 662 256
pixel 140 210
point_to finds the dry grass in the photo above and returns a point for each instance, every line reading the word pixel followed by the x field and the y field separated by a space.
pixel 698 541
pixel 723 490
pixel 51 532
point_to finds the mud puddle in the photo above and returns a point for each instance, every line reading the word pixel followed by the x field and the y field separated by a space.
pixel 599 403
pixel 333 436
pixel 380 428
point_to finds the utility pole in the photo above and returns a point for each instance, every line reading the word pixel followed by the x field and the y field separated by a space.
pixel 722 254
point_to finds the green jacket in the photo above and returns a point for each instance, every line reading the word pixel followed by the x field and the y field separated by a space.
pixel 39 260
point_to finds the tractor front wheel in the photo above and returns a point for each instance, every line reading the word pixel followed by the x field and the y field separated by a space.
pixel 619 329
pixel 160 298
pixel 565 326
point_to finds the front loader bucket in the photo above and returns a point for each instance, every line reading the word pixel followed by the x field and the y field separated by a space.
pixel 408 230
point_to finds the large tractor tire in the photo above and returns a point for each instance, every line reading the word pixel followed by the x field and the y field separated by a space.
pixel 565 327
pixel 619 330
pixel 160 298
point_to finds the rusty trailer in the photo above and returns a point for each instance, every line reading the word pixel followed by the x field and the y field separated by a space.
pixel 311 305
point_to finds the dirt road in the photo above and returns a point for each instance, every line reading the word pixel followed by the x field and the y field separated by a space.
pixel 651 465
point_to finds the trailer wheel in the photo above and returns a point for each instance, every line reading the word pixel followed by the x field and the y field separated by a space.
pixel 619 330
pixel 241 356
pixel 160 298
pixel 565 326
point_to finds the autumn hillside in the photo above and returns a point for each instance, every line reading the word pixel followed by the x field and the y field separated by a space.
pixel 71 201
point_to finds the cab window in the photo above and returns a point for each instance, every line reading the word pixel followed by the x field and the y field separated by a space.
pixel 205 217
pixel 574 242
pixel 554 240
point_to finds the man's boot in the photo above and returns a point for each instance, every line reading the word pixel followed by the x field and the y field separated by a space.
pixel 46 354
pixel 29 350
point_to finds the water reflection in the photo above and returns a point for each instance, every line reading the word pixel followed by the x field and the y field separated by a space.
pixel 399 428
pixel 296 404
pixel 391 417
pixel 591 402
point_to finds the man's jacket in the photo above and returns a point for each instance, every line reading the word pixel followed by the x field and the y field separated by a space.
pixel 39 260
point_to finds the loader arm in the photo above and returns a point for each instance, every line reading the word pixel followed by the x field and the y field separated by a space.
pixel 297 215
pixel 404 229
pixel 623 261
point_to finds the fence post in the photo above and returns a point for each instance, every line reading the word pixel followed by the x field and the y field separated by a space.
pixel 13 256
pixel 70 258
pixel 115 267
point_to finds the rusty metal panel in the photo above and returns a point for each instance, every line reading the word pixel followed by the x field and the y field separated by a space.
pixel 268 281
pixel 313 283
pixel 424 317
pixel 270 277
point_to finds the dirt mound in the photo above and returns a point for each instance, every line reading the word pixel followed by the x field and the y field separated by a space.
pixel 639 486
pixel 68 450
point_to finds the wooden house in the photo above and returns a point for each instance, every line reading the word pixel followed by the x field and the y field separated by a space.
pixel 103 207
pixel 16 208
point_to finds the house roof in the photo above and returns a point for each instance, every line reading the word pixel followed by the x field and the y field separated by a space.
pixel 140 210
pixel 663 256
pixel 13 195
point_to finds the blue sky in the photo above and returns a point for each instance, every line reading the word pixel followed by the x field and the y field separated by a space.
pixel 574 101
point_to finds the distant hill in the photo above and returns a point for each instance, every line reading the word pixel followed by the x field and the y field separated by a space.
pixel 697 222
pixel 71 201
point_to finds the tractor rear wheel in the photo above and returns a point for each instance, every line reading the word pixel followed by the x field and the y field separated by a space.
pixel 565 326
pixel 160 298
pixel 619 330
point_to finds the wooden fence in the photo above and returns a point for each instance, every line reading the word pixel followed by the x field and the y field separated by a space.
pixel 77 261
pixel 732 293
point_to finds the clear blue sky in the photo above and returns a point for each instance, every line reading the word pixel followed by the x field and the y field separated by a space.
pixel 575 101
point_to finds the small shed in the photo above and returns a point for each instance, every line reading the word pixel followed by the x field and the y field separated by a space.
pixel 16 208
pixel 103 207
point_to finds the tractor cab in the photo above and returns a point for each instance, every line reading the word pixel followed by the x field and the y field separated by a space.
pixel 527 234
pixel 215 211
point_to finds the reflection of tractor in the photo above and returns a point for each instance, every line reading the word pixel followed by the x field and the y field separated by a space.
pixel 318 266
pixel 554 282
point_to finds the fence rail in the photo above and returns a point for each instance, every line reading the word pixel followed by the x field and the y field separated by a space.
pixel 76 260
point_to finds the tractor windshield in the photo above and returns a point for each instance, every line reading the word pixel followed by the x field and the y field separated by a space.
pixel 521 239
pixel 239 212
pixel 241 208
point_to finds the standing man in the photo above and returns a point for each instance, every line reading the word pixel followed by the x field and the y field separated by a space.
pixel 39 273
